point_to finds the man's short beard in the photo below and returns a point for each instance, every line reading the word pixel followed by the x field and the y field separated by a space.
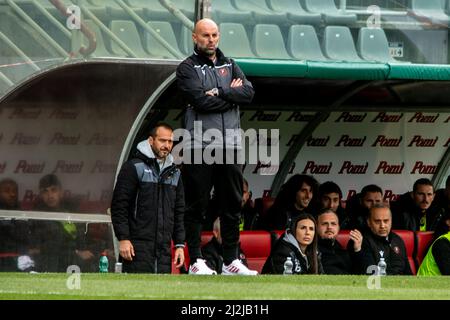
pixel 206 52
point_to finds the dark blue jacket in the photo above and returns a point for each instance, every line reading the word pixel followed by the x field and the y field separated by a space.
pixel 148 205
pixel 198 74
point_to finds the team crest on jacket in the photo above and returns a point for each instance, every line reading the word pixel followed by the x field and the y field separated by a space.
pixel 242 256
pixel 223 72
pixel 396 250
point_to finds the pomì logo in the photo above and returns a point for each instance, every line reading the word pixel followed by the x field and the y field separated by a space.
pixel 99 139
pixel 103 167
pixel 23 166
pixel 298 116
pixel 418 141
pixel 347 141
pixel 421 168
pixel 265 116
pixel 385 168
pixel 60 139
pixel 349 168
pixel 63 166
pixel 64 114
pixel 385 117
pixel 383 141
pixel 311 142
pixel 25 113
pixel 350 117
pixel 419 117
pixel 21 138
pixel 313 168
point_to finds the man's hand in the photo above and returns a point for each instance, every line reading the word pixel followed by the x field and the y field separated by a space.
pixel 357 238
pixel 84 254
pixel 178 259
pixel 236 83
pixel 126 249
pixel 214 92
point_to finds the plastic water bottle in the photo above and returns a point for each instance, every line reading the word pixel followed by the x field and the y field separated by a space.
pixel 382 266
pixel 288 266
pixel 103 264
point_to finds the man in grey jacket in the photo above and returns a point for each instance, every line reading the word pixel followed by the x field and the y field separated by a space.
pixel 213 86
pixel 148 206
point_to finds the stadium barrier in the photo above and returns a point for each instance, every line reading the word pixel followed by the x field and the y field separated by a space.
pixel 257 245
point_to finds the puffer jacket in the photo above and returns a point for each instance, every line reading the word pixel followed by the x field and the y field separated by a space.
pixel 148 206
pixel 287 246
pixel 198 74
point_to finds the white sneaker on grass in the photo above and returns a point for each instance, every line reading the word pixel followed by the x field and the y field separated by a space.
pixel 236 268
pixel 200 268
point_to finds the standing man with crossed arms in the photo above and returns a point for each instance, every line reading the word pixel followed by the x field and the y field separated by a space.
pixel 213 86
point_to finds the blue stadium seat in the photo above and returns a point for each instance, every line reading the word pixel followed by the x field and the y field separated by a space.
pixel 224 11
pixel 5 83
pixel 303 43
pixel 373 45
pixel 187 7
pixel 295 11
pixel 261 12
pixel 330 13
pixel 153 10
pixel 338 44
pixel 108 9
pixel 431 10
pixel 128 33
pixel 100 50
pixel 268 42
pixel 186 43
pixel 234 41
pixel 154 47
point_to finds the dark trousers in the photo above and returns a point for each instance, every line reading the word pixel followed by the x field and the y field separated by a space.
pixel 198 180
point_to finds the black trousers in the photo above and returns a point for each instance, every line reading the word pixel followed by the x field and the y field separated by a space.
pixel 198 180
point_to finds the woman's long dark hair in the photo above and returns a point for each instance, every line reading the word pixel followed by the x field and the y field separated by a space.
pixel 311 250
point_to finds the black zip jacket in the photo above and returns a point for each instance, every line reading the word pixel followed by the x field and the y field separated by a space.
pixel 394 253
pixel 198 74
pixel 335 259
pixel 406 214
pixel 148 209
pixel 287 246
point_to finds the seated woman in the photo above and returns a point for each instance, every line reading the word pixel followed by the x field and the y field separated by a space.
pixel 299 243
pixel 437 260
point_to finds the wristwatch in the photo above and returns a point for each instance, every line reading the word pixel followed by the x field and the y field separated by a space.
pixel 215 91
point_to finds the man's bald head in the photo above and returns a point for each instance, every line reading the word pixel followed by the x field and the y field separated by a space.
pixel 204 23
pixel 206 37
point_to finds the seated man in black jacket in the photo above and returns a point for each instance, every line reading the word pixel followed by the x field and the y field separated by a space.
pixel 416 210
pixel 380 242
pixel 335 259
pixel 213 251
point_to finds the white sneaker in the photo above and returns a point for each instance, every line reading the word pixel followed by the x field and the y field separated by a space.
pixel 237 268
pixel 200 268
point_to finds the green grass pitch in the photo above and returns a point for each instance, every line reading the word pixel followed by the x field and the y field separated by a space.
pixel 26 286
